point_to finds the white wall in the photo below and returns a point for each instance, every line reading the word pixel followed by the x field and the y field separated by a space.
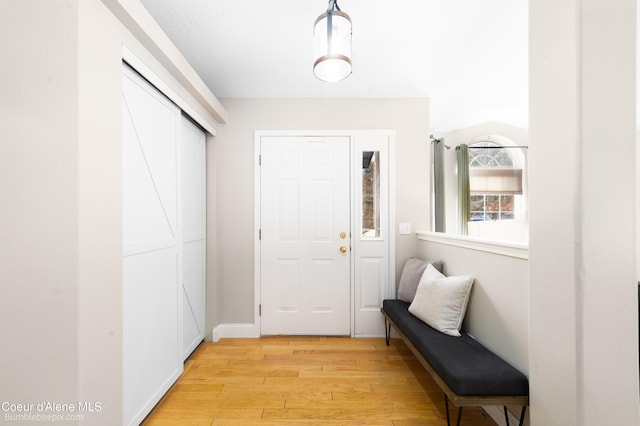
pixel 39 199
pixel 235 144
pixel 583 298
pixel 60 180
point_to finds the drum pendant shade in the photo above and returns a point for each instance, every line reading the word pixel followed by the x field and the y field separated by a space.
pixel 332 39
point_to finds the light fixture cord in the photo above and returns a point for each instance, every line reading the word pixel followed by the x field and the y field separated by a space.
pixel 333 5
pixel 330 8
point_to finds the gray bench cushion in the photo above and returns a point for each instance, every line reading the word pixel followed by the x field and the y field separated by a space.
pixel 467 367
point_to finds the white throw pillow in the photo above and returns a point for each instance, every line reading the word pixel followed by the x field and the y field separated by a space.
pixel 430 273
pixel 442 302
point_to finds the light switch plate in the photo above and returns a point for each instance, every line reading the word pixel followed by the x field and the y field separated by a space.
pixel 404 228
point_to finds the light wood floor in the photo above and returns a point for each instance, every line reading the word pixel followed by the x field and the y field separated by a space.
pixel 306 381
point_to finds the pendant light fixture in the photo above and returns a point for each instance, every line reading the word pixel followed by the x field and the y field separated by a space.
pixel 332 39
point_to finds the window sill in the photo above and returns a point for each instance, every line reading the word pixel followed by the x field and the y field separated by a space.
pixel 515 249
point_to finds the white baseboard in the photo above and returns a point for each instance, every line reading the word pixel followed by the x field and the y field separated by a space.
pixel 246 331
pixel 497 414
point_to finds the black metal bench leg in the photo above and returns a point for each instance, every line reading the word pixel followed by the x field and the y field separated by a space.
pixel 446 408
pixel 459 416
pixel 387 330
pixel 522 413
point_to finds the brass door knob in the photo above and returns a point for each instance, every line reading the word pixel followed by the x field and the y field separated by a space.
pixel 343 249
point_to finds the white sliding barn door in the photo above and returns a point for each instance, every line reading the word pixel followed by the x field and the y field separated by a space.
pixel 192 143
pixel 305 218
pixel 152 348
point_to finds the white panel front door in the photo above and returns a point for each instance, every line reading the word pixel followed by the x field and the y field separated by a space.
pixel 305 216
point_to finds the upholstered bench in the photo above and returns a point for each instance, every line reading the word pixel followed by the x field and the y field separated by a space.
pixel 468 373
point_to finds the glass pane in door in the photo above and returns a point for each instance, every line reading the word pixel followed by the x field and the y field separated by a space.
pixel 370 194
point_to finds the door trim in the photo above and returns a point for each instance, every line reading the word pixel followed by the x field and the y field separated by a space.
pixel 390 291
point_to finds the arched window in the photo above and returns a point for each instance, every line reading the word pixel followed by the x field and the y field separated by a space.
pixel 495 181
pixel 481 191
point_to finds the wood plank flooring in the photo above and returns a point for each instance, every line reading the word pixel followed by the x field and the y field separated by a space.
pixel 306 381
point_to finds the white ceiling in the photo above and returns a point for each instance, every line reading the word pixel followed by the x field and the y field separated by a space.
pixel 468 56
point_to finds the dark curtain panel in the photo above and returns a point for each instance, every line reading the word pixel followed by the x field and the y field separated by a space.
pixel 438 185
pixel 464 202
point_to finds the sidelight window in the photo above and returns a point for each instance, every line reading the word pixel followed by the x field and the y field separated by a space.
pixel 370 194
